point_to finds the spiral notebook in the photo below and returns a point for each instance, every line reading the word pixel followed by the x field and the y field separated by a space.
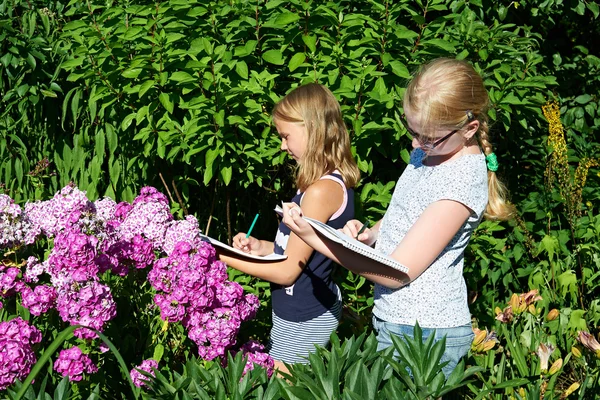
pixel 351 243
pixel 268 257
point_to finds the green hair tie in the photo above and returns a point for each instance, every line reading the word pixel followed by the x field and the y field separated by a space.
pixel 492 162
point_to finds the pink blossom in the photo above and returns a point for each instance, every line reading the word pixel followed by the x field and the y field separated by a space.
pixel 73 363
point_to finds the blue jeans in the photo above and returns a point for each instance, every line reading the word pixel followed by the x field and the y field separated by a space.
pixel 458 339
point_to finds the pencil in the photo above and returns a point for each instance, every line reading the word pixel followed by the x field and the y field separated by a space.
pixel 365 226
pixel 252 226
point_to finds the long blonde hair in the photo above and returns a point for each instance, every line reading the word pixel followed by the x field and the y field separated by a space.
pixel 443 93
pixel 328 143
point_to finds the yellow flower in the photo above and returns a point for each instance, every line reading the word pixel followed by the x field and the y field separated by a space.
pixel 574 386
pixel 552 314
pixel 522 393
pixel 556 366
pixel 483 341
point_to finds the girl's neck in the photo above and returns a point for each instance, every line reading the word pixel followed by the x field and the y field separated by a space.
pixel 433 160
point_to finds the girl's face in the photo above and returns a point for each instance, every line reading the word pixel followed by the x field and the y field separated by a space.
pixel 445 142
pixel 293 138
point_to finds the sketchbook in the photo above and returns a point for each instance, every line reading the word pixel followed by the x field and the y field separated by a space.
pixel 351 243
pixel 269 257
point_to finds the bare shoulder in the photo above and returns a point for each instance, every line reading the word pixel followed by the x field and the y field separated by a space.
pixel 325 188
pixel 323 198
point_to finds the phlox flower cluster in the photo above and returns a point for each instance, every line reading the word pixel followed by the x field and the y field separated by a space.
pixel 39 299
pixel 257 356
pixel 9 280
pixel 186 230
pixel 90 304
pixel 16 355
pixel 91 238
pixel 33 270
pixel 74 363
pixel 193 289
pixel 15 229
pixel 72 258
pixel 120 255
pixel 147 216
pixel 138 378
pixel 64 210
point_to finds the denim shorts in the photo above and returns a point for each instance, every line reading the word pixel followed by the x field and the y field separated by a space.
pixel 458 339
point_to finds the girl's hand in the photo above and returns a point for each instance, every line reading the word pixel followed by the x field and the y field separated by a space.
pixel 248 245
pixel 354 226
pixel 292 217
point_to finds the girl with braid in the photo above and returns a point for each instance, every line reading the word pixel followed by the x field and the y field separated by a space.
pixel 449 185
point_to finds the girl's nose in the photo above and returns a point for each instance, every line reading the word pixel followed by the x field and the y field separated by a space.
pixel 283 146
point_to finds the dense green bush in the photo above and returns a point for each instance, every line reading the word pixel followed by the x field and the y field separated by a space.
pixel 120 94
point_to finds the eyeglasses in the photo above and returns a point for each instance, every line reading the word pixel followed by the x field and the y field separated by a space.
pixel 426 146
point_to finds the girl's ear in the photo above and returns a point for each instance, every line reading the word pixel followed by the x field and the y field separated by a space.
pixel 472 129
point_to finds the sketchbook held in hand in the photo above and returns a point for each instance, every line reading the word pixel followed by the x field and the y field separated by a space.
pixel 269 257
pixel 351 243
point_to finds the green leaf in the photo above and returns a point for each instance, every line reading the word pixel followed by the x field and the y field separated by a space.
pixel 159 350
pixel 127 121
pixel 241 68
pixel 273 57
pixel 165 100
pixel 593 7
pixel 286 18
pixel 226 174
pixel 182 77
pixel 296 61
pixel 144 87
pixel 131 73
pixel 583 99
pixel 311 42
pixel 441 43
pixel 48 93
pixel 399 69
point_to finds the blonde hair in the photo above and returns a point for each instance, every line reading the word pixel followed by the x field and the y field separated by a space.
pixel 328 143
pixel 441 95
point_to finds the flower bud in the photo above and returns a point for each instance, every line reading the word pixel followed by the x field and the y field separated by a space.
pixel 576 352
pixel 552 315
pixel 555 367
pixel 574 386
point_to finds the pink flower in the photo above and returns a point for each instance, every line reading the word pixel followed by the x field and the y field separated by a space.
pixel 140 379
pixel 73 363
pixel 257 356
pixel 16 354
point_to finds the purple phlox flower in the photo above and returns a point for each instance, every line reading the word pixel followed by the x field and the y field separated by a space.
pixel 9 280
pixel 90 304
pixel 62 211
pixel 248 307
pixel 213 331
pixel 33 270
pixel 182 231
pixel 74 363
pixel 257 356
pixel 38 300
pixel 105 209
pixel 73 256
pixel 140 379
pixel 16 354
pixel 148 217
pixel 15 228
pixel 229 293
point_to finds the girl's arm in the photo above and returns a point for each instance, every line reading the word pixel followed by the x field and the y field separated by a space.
pixel 419 248
pixel 321 200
